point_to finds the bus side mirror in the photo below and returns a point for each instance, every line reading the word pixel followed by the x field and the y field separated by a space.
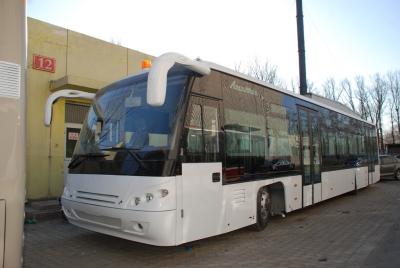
pixel 157 79
pixel 65 93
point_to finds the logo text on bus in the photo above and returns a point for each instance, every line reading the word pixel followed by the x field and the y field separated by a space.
pixel 243 89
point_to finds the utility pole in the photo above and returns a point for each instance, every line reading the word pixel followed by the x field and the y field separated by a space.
pixel 301 46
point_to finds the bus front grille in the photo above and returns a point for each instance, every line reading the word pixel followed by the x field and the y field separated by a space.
pixel 102 220
pixel 97 197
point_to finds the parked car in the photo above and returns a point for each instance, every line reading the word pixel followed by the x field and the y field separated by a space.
pixel 281 165
pixel 390 166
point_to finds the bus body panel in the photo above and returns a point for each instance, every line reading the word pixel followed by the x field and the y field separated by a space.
pixel 179 208
pixel 377 174
pixel 150 227
pixel 121 192
pixel 293 192
pixel 109 204
pixel 312 194
pixel 337 182
pixel 362 177
pixel 198 213
pixel 240 205
pixel 317 192
pixel 307 195
pixel 203 209
pixel 240 200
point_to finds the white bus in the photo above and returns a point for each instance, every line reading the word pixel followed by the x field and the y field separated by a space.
pixel 190 149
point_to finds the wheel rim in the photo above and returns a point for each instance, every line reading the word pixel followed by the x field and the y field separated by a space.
pixel 264 205
pixel 397 175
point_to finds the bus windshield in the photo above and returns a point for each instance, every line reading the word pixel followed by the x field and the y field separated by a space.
pixel 125 135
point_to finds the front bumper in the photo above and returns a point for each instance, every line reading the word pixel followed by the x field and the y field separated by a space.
pixel 149 227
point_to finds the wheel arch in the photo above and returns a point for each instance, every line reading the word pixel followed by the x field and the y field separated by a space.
pixel 278 201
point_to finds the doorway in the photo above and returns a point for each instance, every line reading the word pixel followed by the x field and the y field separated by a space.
pixel 310 155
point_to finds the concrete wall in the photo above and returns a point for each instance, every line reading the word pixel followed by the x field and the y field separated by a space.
pixel 82 62
pixel 12 136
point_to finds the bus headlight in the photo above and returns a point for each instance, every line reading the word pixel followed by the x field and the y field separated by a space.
pixel 164 192
pixel 149 197
pixel 137 201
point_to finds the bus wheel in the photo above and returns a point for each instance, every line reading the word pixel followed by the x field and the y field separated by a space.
pixel 263 208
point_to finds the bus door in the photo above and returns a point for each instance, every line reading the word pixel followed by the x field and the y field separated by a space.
pixel 201 170
pixel 310 156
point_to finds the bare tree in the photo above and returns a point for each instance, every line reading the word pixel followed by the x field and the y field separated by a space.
pixel 311 88
pixel 391 112
pixel 387 137
pixel 238 67
pixel 330 89
pixel 348 90
pixel 265 71
pixel 393 79
pixel 294 85
pixel 379 91
pixel 364 99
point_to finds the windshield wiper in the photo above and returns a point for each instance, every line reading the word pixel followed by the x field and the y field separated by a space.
pixel 79 158
pixel 131 152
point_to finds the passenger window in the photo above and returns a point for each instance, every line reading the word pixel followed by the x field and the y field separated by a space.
pixel 259 145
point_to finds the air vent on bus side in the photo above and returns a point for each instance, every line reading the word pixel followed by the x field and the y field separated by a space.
pixel 97 197
pixel 239 196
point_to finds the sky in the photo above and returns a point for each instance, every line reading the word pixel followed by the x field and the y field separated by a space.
pixel 343 38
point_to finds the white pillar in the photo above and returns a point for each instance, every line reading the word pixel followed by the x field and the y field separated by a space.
pixel 12 130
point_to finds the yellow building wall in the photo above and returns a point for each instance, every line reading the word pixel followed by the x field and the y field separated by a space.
pixel 51 41
pixel 91 62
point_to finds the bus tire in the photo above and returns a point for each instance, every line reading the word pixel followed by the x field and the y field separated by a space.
pixel 263 208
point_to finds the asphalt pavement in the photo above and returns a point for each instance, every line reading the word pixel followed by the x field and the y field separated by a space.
pixel 353 230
